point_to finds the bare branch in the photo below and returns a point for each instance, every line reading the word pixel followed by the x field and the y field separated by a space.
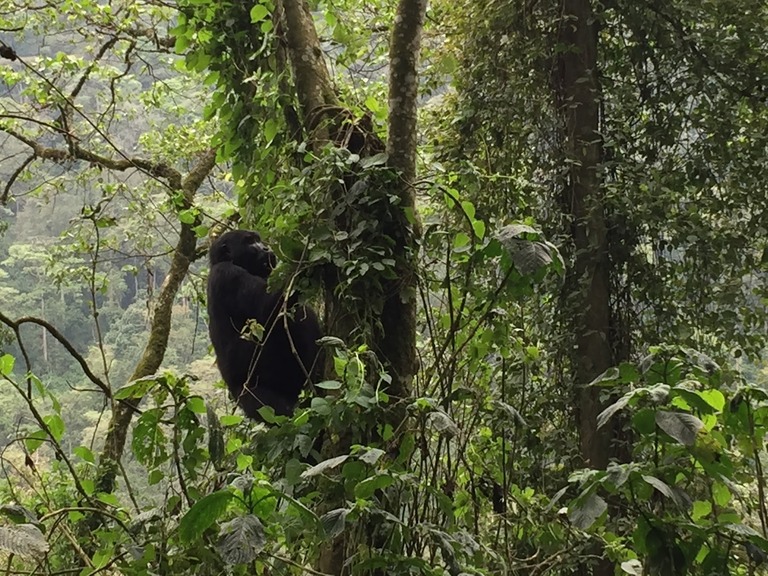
pixel 155 169
pixel 87 72
pixel 14 325
pixel 12 179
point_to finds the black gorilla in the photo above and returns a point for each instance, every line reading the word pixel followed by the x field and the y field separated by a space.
pixel 271 372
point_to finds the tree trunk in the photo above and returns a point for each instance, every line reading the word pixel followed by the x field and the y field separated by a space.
pixel 396 342
pixel 588 288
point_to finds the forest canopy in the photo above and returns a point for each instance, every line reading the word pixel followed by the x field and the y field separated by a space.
pixel 535 234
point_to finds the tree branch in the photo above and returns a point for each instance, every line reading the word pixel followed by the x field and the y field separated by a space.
pixel 184 253
pixel 15 324
pixel 154 169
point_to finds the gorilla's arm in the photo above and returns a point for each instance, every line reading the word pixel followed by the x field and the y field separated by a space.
pixel 241 296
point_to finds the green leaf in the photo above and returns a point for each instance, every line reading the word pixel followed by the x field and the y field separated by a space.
pixel 478 226
pixel 721 494
pixel 188 216
pixel 461 242
pixel 328 385
pixel 442 424
pixel 244 461
pixel 137 388
pixel 196 404
pixel 376 160
pixel 229 420
pixel 587 512
pixel 660 485
pixel 6 364
pixel 181 44
pixel 372 104
pixel 633 567
pixel 215 439
pixel 270 129
pixel 34 440
pixel 148 442
pixel 333 522
pixel 372 456
pixel 258 13
pixel 324 466
pixel 606 414
pixel 55 426
pixel 607 378
pixel 18 514
pixel 203 514
pixel 714 398
pixel 681 427
pixel 368 487
pixel 628 373
pixel 701 509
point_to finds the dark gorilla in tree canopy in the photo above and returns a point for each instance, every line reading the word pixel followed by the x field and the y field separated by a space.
pixel 272 370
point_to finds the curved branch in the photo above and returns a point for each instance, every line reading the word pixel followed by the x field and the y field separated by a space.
pixel 15 324
pixel 16 173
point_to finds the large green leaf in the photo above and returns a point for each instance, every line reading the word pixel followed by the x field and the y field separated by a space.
pixel 680 426
pixel 203 514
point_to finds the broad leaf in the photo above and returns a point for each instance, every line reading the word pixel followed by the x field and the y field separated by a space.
pixel 325 466
pixel 241 540
pixel 23 539
pixel 589 510
pixel 682 427
pixel 333 522
pixel 203 514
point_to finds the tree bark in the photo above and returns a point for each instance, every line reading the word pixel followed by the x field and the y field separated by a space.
pixel 398 341
pixel 589 288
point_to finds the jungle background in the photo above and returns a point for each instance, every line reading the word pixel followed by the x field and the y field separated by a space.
pixel 536 234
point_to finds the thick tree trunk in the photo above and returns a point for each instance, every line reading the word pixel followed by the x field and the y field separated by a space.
pixel 588 288
pixel 398 342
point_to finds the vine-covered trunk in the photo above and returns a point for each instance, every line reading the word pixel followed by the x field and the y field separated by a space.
pixel 395 341
pixel 588 287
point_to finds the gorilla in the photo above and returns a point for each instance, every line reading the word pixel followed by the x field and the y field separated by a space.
pixel 273 368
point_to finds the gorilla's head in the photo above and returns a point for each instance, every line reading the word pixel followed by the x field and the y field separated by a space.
pixel 243 248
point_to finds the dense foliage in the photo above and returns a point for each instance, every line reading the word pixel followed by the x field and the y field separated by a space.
pixel 134 131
